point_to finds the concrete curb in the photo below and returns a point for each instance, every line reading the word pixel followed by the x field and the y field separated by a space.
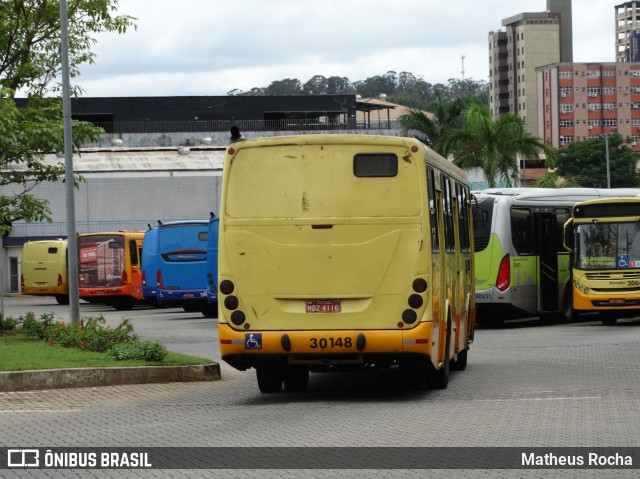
pixel 92 377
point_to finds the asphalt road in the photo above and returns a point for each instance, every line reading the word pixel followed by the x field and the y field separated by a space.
pixel 527 385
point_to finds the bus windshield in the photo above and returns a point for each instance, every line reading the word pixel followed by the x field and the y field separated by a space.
pixel 607 246
pixel 101 260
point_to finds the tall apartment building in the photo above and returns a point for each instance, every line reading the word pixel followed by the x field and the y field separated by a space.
pixel 577 101
pixel 627 32
pixel 529 40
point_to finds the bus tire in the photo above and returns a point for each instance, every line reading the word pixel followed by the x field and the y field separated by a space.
pixel 210 310
pixel 296 378
pixel 122 304
pixel 413 376
pixel 439 378
pixel 568 313
pixel 460 364
pixel 608 318
pixel 269 379
pixel 62 298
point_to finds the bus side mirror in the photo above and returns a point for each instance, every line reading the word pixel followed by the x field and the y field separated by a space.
pixel 568 240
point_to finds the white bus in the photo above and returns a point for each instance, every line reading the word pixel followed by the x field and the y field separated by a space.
pixel 522 268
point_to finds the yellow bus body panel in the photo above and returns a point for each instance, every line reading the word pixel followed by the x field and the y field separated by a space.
pixel 43 264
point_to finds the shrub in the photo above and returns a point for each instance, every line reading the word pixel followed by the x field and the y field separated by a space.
pixel 33 327
pixel 151 351
pixel 89 333
pixel 7 323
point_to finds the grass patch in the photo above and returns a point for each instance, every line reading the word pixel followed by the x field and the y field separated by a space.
pixel 21 353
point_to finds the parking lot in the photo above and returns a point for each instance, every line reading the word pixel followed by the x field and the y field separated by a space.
pixel 527 385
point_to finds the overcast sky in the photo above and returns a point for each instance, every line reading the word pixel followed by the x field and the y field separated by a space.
pixel 210 47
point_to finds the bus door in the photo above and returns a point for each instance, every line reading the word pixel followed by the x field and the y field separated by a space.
pixel 545 226
pixel 135 253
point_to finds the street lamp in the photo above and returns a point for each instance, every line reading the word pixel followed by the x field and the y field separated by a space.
pixel 606 152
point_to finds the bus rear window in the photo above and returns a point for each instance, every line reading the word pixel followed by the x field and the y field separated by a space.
pixel 316 181
pixel 375 165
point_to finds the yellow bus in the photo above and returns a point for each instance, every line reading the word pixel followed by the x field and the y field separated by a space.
pixel 44 269
pixel 344 251
pixel 603 238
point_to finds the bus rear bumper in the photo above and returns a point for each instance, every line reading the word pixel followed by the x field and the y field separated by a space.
pixel 246 349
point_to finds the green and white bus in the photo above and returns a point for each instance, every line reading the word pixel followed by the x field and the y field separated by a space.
pixel 522 268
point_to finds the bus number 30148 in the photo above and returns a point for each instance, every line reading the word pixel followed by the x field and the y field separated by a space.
pixel 323 343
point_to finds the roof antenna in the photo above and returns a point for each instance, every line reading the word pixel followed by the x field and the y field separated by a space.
pixel 212 215
pixel 160 222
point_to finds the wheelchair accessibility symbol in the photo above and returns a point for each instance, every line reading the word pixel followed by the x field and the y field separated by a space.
pixel 623 261
pixel 253 341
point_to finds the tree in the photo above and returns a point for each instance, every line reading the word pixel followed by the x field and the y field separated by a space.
pixel 492 145
pixel 288 86
pixel 584 163
pixel 431 130
pixel 30 65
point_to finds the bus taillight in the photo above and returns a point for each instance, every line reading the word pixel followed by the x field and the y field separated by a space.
pixel 504 274
pixel 159 278
pixel 59 279
pixel 22 280
pixel 124 278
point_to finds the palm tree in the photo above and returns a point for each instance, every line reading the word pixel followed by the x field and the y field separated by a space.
pixel 431 129
pixel 492 145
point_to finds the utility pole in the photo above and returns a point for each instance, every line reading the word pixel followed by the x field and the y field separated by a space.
pixel 72 244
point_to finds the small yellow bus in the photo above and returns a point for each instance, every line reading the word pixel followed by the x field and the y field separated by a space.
pixel 604 240
pixel 341 252
pixel 44 269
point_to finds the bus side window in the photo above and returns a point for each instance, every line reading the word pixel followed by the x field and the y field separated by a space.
pixel 521 231
pixel 433 212
pixel 449 233
pixel 463 217
pixel 133 252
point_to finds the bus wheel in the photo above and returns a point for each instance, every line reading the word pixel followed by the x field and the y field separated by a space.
pixel 608 318
pixel 210 310
pixel 269 379
pixel 460 364
pixel 439 378
pixel 413 376
pixel 62 298
pixel 122 304
pixel 296 378
pixel 568 313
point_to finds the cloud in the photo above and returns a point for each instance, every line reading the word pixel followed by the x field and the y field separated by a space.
pixel 209 48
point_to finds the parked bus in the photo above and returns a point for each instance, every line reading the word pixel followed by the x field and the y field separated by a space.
pixel 45 270
pixel 605 262
pixel 174 264
pixel 522 268
pixel 212 267
pixel 109 268
pixel 344 251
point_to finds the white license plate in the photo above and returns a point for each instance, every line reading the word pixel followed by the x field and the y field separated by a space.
pixel 324 307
